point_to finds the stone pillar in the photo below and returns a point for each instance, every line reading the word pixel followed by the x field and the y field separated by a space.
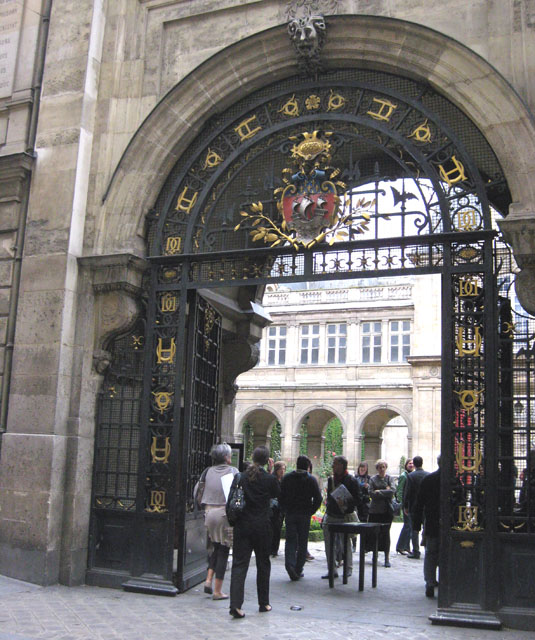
pixel 350 433
pixel 47 449
pixel 287 427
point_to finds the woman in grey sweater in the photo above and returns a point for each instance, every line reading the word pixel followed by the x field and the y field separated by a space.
pixel 381 491
pixel 213 501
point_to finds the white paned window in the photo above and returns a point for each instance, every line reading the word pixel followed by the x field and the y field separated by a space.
pixel 400 340
pixel 336 343
pixel 276 345
pixel 310 343
pixel 371 342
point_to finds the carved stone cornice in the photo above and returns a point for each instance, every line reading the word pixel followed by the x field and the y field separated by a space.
pixel 116 281
pixel 518 230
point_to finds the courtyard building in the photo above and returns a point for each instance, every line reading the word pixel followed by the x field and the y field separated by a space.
pixel 360 353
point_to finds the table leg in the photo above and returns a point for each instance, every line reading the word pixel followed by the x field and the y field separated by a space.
pixel 331 559
pixel 362 558
pixel 375 554
pixel 344 555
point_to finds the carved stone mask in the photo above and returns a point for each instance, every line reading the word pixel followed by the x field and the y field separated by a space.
pixel 307 34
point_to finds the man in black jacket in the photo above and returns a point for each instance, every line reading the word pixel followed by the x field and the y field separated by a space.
pixel 410 495
pixel 344 496
pixel 300 499
pixel 427 510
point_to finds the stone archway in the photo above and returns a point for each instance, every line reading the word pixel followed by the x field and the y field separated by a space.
pixel 312 425
pixel 373 427
pixel 256 427
pixel 382 43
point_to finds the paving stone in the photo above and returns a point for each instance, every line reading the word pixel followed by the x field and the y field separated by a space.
pixel 396 610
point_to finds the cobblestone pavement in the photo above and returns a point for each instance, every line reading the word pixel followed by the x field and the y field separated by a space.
pixel 397 609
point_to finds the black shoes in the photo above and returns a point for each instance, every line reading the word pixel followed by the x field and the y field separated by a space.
pixel 414 556
pixel 402 552
pixel 292 573
pixel 264 608
pixel 236 613
pixel 326 576
pixel 430 592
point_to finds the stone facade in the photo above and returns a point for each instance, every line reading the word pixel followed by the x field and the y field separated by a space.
pixel 98 99
pixel 365 391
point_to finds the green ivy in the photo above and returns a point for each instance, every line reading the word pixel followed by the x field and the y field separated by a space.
pixel 334 443
pixel 303 442
pixel 248 439
pixel 276 447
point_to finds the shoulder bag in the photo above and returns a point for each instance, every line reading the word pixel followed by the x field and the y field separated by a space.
pixel 200 488
pixel 235 501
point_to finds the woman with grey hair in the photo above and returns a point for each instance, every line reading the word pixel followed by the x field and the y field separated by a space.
pixel 213 501
pixel 382 489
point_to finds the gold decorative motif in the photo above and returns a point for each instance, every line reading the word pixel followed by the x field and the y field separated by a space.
pixel 212 159
pixel 168 303
pixel 210 317
pixel 468 463
pixel 112 392
pixel 246 130
pixel 309 203
pixel 162 400
pixel 467 219
pixel 386 109
pixel 336 101
pixel 312 102
pixel 422 133
pixel 454 175
pixel 138 342
pixel 185 202
pixel 468 518
pixel 157 502
pixel 290 108
pixel 509 328
pixel 462 342
pixel 159 453
pixel 165 355
pixel 468 287
pixel 468 253
pixel 468 398
pixel 467 544
pixel 172 246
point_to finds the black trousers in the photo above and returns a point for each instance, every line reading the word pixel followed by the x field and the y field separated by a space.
pixel 295 552
pixel 276 523
pixel 251 535
pixel 218 560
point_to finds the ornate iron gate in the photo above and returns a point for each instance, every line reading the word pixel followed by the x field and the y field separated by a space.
pixel 355 174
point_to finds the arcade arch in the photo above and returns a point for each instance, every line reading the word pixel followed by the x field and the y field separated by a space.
pixel 386 434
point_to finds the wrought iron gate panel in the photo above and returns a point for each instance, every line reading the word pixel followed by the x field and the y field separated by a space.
pixel 201 410
pixel 117 440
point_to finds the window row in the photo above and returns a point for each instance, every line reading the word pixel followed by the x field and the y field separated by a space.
pixel 372 343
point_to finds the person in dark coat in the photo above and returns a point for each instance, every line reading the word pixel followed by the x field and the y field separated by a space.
pixel 341 510
pixel 300 499
pixel 382 490
pixel 410 495
pixel 253 531
pixel 277 517
pixel 427 512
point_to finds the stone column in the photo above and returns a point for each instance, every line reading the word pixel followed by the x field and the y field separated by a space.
pixel 47 449
pixel 287 427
